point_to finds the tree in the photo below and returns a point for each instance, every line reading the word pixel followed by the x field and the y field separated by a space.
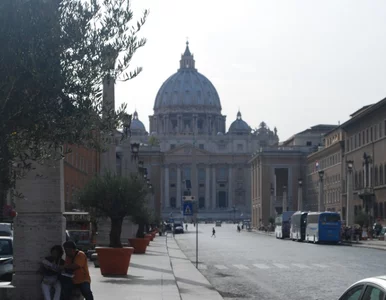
pixel 362 218
pixel 114 197
pixel 153 141
pixel 54 57
pixel 142 217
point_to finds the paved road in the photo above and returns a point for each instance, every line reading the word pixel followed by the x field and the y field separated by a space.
pixel 249 265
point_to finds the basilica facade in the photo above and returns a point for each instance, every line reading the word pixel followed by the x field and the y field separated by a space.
pixel 197 154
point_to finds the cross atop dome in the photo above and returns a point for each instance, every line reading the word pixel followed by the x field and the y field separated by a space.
pixel 239 115
pixel 135 115
pixel 187 60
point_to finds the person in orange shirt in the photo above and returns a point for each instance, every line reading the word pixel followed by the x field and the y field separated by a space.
pixel 76 263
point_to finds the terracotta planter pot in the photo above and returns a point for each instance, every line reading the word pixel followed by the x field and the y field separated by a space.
pixel 150 236
pixel 139 245
pixel 114 261
pixel 153 234
pixel 147 239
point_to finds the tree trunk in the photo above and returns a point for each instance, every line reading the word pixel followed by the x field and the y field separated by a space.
pixel 115 233
pixel 5 176
pixel 141 230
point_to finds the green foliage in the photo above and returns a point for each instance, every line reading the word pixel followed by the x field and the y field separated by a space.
pixel 55 56
pixel 271 220
pixel 362 219
pixel 114 196
pixel 153 141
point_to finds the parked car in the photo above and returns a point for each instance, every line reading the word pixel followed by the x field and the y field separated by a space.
pixel 218 223
pixel 178 228
pixel 6 229
pixel 6 258
pixel 369 288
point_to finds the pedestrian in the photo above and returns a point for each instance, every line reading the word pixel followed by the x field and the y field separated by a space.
pixel 51 271
pixel 76 263
pixel 238 228
pixel 213 232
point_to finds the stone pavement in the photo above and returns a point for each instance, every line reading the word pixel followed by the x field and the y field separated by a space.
pixel 371 244
pixel 163 272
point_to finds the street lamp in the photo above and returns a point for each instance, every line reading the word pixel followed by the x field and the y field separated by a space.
pixel 350 196
pixel 321 192
pixel 134 150
pixel 300 194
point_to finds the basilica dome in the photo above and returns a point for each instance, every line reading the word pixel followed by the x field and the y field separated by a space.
pixel 239 126
pixel 187 89
pixel 136 125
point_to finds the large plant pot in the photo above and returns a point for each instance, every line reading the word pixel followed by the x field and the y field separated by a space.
pixel 114 261
pixel 139 245
pixel 150 236
pixel 147 239
pixel 153 234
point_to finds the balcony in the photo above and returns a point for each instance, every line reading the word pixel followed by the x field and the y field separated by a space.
pixel 368 191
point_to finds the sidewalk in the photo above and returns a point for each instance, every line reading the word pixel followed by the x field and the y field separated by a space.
pixel 163 272
pixel 372 244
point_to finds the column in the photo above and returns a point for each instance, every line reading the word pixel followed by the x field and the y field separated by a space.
pixel 38 226
pixel 300 197
pixel 230 193
pixel 214 187
pixel 321 195
pixel 179 196
pixel 207 187
pixel 166 191
pixel 285 199
pixel 350 196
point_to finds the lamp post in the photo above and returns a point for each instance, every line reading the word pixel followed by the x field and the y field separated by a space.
pixel 321 192
pixel 134 150
pixel 272 206
pixel 300 194
pixel 367 161
pixel 349 205
pixel 285 198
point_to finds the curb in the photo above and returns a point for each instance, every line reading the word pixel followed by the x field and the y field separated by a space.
pixel 190 281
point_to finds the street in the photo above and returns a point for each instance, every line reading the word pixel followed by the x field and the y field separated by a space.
pixel 249 265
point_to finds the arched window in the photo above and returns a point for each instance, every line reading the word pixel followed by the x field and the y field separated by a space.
pixel 173 202
pixel 376 176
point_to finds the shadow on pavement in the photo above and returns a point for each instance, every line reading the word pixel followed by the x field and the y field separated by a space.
pixel 140 280
pixel 195 283
pixel 150 268
pixel 182 258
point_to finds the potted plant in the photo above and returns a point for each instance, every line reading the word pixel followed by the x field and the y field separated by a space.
pixel 141 217
pixel 114 197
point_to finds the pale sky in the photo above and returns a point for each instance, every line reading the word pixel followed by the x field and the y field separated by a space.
pixel 292 64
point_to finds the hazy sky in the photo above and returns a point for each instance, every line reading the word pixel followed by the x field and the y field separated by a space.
pixel 292 64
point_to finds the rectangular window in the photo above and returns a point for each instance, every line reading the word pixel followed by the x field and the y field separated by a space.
pixel 172 146
pixel 363 137
pixel 375 132
pixel 371 134
pixel 359 139
pixel 348 145
pixel 201 146
pixel 367 136
pixel 380 130
pixel 239 147
pixel 201 174
pixel 353 145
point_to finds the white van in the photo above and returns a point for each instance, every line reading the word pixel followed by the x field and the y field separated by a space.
pixel 6 229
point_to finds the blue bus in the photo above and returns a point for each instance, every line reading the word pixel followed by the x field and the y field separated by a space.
pixel 323 227
pixel 283 224
pixel 298 226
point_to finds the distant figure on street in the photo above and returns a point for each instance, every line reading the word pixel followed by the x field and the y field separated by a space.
pixel 238 228
pixel 213 232
pixel 186 227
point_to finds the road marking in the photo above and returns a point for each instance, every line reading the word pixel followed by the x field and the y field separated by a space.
pixel 221 267
pixel 261 266
pixel 301 266
pixel 202 267
pixel 281 266
pixel 320 266
pixel 241 267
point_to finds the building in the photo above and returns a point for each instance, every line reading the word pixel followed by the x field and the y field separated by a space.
pixel 278 174
pixel 327 162
pixel 199 156
pixel 80 165
pixel 365 147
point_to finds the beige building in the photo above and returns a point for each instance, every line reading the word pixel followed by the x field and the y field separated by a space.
pixel 279 172
pixel 365 145
pixel 327 161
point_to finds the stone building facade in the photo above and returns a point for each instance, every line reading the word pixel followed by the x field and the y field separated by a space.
pixel 198 155
pixel 276 171
pixel 329 159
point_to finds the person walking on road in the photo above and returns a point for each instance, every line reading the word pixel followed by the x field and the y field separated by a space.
pixel 186 227
pixel 213 232
pixel 238 228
